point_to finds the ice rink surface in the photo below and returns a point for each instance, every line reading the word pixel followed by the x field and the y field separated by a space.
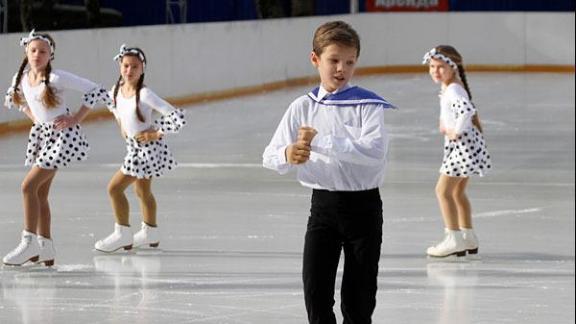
pixel 233 231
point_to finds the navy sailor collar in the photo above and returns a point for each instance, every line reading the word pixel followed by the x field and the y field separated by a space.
pixel 353 95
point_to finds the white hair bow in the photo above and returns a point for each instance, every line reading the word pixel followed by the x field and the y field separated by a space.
pixel 24 41
pixel 433 54
pixel 130 50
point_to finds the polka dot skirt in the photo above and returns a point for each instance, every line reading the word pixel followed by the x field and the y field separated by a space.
pixel 466 155
pixel 146 160
pixel 51 149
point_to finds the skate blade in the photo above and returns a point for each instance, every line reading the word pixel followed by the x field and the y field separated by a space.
pixel 147 246
pixel 121 250
pixel 28 267
pixel 448 258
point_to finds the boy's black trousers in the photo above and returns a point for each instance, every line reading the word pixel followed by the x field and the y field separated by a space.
pixel 350 220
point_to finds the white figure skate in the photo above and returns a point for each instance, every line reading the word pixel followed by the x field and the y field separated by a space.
pixel 147 235
pixel 121 238
pixel 452 244
pixel 27 250
pixel 47 251
pixel 471 242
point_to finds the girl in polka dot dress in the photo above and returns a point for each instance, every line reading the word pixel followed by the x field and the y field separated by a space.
pixel 465 152
pixel 55 141
pixel 147 154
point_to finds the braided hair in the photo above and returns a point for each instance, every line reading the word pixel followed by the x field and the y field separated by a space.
pixel 18 100
pixel 49 97
pixel 453 54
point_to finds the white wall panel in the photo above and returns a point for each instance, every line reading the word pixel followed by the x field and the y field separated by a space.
pixel 195 58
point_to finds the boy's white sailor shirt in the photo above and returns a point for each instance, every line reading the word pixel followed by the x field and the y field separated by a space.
pixel 349 150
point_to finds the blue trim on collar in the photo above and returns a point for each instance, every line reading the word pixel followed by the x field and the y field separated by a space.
pixel 315 92
pixel 351 96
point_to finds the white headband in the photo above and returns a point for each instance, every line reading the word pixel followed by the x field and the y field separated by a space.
pixel 125 50
pixel 24 41
pixel 433 54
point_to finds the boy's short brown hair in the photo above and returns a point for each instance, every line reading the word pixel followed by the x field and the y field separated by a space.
pixel 335 32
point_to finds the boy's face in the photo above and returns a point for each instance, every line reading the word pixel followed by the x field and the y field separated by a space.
pixel 335 65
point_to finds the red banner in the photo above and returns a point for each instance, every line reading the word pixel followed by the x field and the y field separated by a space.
pixel 406 5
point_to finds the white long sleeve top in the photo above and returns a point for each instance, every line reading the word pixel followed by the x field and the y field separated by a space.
pixel 456 111
pixel 349 150
pixel 59 81
pixel 125 112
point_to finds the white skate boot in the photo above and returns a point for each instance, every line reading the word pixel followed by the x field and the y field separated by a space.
pixel 147 235
pixel 27 250
pixel 47 252
pixel 452 244
pixel 470 241
pixel 121 238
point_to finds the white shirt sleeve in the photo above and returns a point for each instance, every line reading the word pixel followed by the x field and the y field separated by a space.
pixel 92 92
pixel 460 107
pixel 369 148
pixel 465 111
pixel 71 81
pixel 172 119
pixel 151 99
pixel 274 156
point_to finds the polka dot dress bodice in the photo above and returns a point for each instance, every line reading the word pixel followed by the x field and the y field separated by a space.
pixel 47 147
pixel 146 159
pixel 467 154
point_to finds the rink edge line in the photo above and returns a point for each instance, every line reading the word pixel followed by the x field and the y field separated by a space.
pixel 16 126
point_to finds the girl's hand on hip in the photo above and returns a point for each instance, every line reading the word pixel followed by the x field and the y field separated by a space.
pixel 64 121
pixel 148 136
pixel 442 129
pixel 452 134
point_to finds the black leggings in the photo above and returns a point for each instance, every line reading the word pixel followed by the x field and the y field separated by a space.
pixel 353 221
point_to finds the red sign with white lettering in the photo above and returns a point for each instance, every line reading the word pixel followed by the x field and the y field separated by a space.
pixel 407 5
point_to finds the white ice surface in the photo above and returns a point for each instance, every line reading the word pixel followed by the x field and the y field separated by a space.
pixel 233 231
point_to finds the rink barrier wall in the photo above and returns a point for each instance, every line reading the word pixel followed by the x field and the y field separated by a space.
pixel 198 99
pixel 251 57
